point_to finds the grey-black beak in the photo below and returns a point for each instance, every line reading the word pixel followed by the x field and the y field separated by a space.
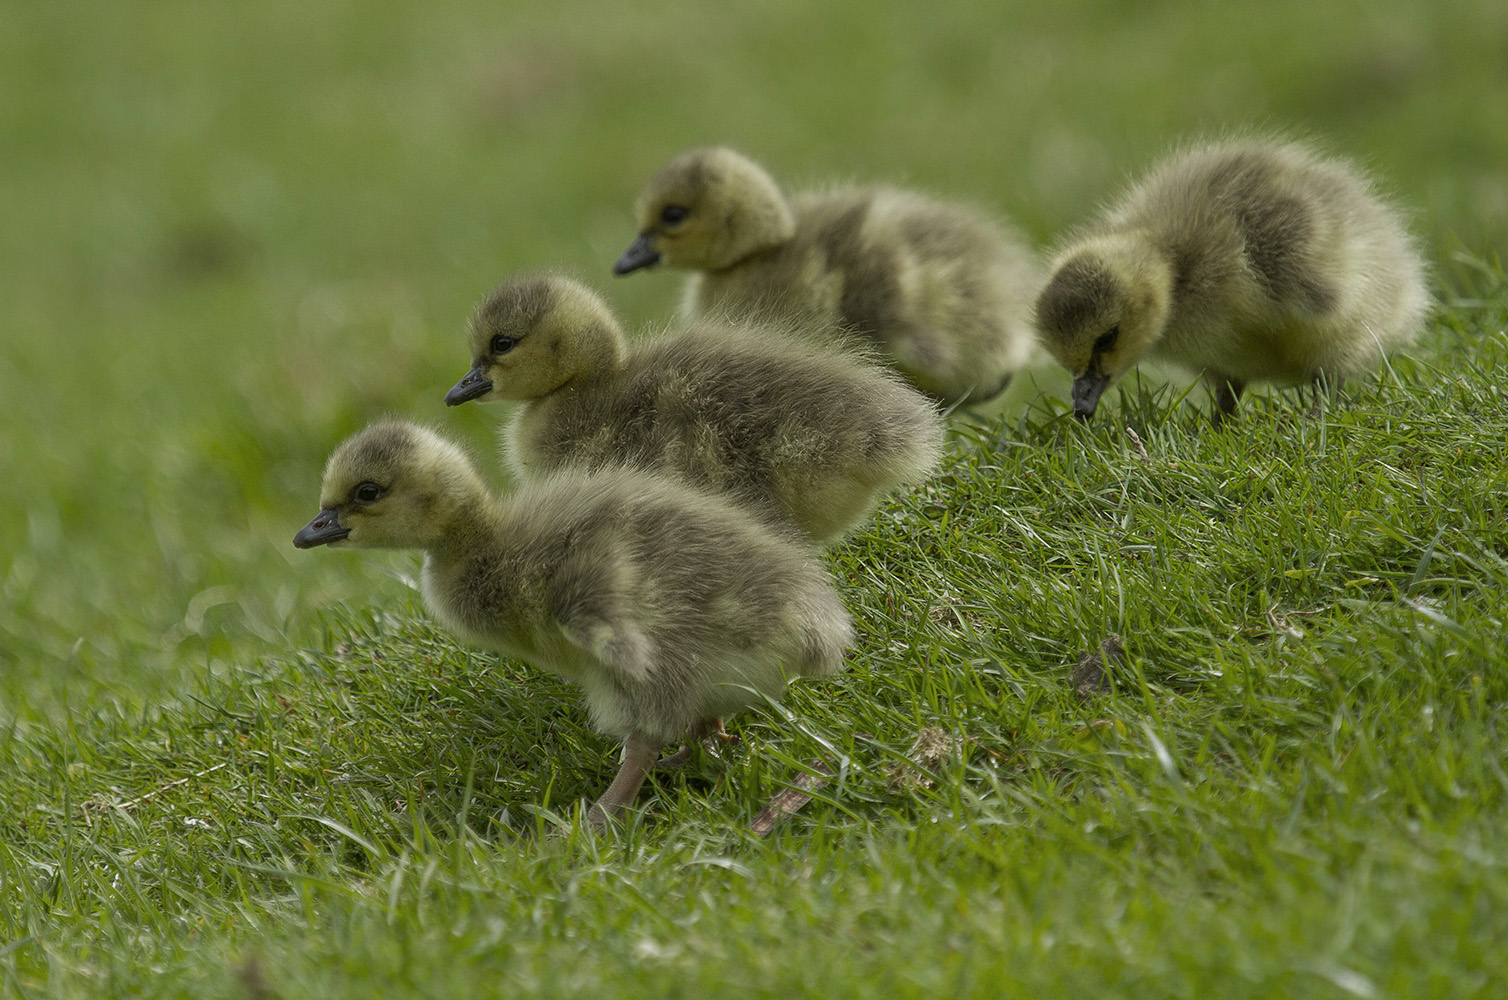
pixel 325 528
pixel 1087 389
pixel 476 383
pixel 640 253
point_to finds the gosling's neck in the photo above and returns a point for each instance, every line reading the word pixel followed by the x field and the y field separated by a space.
pixel 756 229
pixel 599 351
pixel 759 254
pixel 466 516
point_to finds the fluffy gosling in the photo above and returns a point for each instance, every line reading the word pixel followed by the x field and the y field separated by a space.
pixel 807 435
pixel 942 291
pixel 1247 260
pixel 669 607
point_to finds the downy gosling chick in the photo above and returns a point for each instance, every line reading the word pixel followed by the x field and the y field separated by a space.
pixel 1246 260
pixel 808 435
pixel 943 292
pixel 668 606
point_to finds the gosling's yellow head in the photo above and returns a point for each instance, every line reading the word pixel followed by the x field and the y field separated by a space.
pixel 532 335
pixel 707 209
pixel 394 485
pixel 1104 308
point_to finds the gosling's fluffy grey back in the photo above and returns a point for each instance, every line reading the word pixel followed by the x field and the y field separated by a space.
pixel 1264 233
pixel 943 290
pixel 806 434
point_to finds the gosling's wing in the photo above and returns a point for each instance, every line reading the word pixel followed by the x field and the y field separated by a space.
pixel 595 613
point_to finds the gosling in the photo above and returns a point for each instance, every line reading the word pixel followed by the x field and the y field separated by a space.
pixel 669 607
pixel 807 435
pixel 941 291
pixel 1250 260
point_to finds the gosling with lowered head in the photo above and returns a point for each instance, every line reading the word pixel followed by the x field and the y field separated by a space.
pixel 668 606
pixel 1245 260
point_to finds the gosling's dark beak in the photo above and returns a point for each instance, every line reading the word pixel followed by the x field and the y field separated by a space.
pixel 640 253
pixel 476 383
pixel 1087 389
pixel 325 528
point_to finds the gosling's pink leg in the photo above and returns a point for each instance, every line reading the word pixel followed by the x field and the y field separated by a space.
pixel 639 753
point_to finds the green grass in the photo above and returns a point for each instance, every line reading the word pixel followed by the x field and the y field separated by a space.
pixel 228 768
pixel 1295 789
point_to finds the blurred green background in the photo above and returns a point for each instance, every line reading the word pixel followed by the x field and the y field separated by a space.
pixel 235 233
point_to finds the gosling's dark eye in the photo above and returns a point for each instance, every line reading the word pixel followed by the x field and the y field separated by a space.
pixel 1106 340
pixel 674 215
pixel 502 344
pixel 368 493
